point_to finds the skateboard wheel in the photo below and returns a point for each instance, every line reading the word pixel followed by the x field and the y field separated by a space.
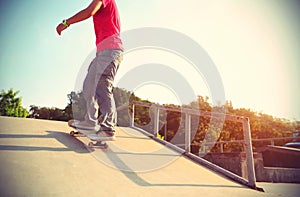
pixel 91 145
pixel 105 145
pixel 72 133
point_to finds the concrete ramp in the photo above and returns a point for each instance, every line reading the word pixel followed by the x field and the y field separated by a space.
pixel 40 158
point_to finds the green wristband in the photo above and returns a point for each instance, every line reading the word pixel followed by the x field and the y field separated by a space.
pixel 64 22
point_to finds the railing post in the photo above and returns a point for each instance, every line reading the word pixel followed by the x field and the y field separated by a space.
pixel 221 147
pixel 249 153
pixel 132 115
pixel 203 148
pixel 187 133
pixel 166 131
pixel 156 121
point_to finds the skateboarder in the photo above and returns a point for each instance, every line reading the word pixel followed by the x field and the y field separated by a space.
pixel 98 84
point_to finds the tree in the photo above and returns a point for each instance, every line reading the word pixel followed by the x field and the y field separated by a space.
pixel 11 105
pixel 76 107
pixel 48 113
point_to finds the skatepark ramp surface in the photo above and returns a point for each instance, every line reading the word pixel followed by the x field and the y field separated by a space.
pixel 40 158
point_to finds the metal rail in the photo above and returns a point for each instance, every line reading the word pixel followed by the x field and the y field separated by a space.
pixel 251 182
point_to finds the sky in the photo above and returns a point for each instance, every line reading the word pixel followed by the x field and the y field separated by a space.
pixel 254 45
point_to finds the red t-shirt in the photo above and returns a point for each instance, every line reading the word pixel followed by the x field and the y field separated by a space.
pixel 107 26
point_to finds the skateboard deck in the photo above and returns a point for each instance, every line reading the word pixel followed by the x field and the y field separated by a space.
pixel 94 141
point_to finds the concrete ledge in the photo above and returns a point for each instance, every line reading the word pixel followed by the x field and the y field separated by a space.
pixel 279 175
pixel 282 157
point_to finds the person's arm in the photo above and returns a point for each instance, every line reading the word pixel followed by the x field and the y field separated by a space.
pixel 80 16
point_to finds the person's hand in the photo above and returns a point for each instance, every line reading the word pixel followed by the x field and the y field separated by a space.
pixel 60 28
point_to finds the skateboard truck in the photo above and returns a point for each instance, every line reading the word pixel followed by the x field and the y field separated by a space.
pixel 98 144
pixel 93 143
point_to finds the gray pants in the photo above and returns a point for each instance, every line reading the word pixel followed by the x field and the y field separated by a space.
pixel 98 86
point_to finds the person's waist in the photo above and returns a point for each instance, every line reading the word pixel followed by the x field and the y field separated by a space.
pixel 111 42
pixel 108 52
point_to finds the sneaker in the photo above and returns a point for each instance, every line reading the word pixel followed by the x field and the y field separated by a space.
pixel 103 136
pixel 84 125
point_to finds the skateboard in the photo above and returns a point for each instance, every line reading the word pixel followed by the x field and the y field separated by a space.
pixel 94 142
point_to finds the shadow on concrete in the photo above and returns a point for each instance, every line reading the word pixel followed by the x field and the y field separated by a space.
pixel 135 178
pixel 71 143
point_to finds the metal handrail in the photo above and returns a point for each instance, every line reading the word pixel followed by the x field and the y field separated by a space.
pixel 192 111
pixel 188 113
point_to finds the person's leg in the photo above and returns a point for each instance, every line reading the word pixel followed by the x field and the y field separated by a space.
pixel 89 88
pixel 104 94
pixel 106 103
